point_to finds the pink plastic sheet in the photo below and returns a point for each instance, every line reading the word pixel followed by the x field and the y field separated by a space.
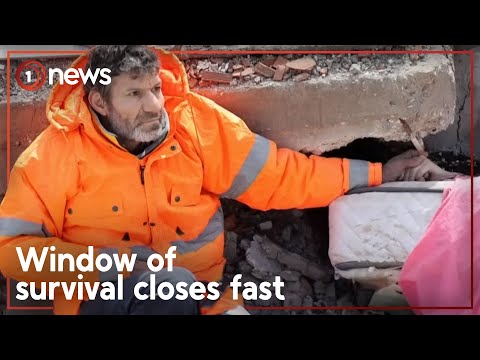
pixel 438 271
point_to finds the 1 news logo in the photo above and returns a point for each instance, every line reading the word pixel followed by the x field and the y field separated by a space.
pixel 36 75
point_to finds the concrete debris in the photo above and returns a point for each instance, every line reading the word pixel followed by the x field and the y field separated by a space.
pixel 292 261
pixel 293 286
pixel 289 275
pixel 287 233
pixel 259 258
pixel 245 267
pixel 292 299
pixel 307 301
pixel 231 246
pixel 292 251
pixel 301 77
pixel 290 67
pixel 264 267
pixel 355 69
pixel 304 64
pixel 245 244
pixel 319 287
pixel 267 225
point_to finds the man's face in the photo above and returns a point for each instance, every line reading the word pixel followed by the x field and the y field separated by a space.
pixel 135 107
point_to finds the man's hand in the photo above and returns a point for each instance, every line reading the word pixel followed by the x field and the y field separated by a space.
pixel 396 168
pixel 428 171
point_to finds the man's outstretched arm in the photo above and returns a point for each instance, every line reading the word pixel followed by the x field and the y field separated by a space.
pixel 245 166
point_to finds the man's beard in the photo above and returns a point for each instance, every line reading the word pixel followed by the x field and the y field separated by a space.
pixel 140 131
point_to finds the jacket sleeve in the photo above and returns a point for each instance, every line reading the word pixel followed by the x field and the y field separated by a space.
pixel 32 213
pixel 249 168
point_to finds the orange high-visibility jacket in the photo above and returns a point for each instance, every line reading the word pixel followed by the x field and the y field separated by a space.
pixel 73 187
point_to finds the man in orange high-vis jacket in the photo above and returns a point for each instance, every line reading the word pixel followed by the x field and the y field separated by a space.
pixel 138 166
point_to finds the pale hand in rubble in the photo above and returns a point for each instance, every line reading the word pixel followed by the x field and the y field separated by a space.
pixel 396 168
pixel 427 170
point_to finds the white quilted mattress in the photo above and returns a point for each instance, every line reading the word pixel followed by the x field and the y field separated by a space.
pixel 380 229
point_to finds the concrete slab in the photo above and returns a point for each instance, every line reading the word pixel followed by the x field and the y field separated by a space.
pixel 457 136
pixel 322 114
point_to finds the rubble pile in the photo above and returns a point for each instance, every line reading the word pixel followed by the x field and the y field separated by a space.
pixel 256 69
pixel 218 70
pixel 292 244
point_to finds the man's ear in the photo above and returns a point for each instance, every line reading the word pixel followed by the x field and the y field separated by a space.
pixel 97 103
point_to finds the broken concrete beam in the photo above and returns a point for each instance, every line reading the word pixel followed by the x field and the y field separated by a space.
pixel 326 113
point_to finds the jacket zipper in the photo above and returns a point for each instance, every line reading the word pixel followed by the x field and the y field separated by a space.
pixel 142 171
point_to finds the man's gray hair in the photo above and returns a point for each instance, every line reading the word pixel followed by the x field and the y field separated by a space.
pixel 132 59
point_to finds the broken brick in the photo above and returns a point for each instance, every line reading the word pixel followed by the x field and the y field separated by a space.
pixel 264 70
pixel 280 61
pixel 238 67
pixel 324 71
pixel 269 61
pixel 278 76
pixel 246 62
pixel 191 73
pixel 216 60
pixel 192 82
pixel 217 77
pixel 237 74
pixel 304 64
pixel 248 71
